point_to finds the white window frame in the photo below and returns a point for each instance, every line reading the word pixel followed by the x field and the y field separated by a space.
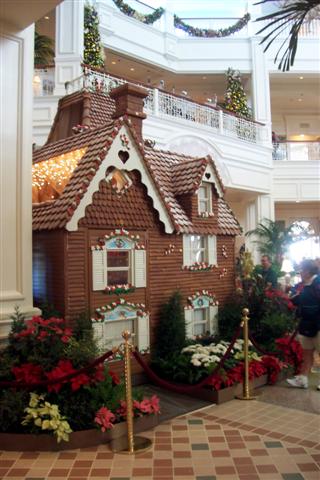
pixel 208 198
pixel 212 324
pixel 129 269
pixel 137 275
pixel 204 249
pixel 205 322
pixel 139 328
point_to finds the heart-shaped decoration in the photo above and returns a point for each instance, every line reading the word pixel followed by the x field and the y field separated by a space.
pixel 208 175
pixel 123 155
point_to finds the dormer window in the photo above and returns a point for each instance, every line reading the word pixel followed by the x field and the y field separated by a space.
pixel 205 198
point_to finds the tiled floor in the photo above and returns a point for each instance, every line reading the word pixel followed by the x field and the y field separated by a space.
pixel 239 440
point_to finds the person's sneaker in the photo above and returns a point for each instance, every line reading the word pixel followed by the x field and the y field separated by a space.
pixel 318 388
pixel 299 381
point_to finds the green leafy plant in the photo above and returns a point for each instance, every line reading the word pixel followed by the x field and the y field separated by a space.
pixel 68 387
pixel 43 49
pixel 273 239
pixel 292 14
pixel 171 330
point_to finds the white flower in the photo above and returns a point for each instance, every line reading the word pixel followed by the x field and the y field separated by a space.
pixel 196 362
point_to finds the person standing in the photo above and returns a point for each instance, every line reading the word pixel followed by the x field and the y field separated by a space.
pixel 306 297
pixel 267 272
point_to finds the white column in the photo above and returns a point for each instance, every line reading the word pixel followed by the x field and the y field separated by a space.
pixel 69 43
pixel 262 207
pixel 16 71
pixel 261 88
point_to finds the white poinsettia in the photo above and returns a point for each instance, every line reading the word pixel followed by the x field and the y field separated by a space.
pixel 207 356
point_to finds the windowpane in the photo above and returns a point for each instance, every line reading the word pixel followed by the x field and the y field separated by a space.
pixel 202 193
pixel 200 315
pixel 198 248
pixel 117 259
pixel 200 329
pixel 200 321
pixel 203 206
pixel 114 329
pixel 118 277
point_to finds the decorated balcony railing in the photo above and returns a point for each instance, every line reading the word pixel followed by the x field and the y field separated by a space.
pixel 296 151
pixel 167 105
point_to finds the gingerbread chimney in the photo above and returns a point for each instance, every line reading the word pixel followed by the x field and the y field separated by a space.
pixel 129 102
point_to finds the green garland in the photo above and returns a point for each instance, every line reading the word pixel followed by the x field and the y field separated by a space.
pixel 131 12
pixel 207 33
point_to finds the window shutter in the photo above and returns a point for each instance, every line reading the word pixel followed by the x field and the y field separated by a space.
pixel 213 320
pixel 98 333
pixel 140 274
pixel 99 269
pixel 186 250
pixel 143 340
pixel 212 250
pixel 188 316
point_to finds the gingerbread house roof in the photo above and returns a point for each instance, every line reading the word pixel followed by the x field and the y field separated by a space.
pixel 170 174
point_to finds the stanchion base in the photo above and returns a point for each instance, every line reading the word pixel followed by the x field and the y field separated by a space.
pixel 121 445
pixel 251 396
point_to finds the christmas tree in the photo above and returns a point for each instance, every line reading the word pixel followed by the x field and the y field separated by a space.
pixel 92 41
pixel 235 99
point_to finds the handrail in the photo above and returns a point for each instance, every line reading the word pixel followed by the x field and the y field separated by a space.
pixel 163 104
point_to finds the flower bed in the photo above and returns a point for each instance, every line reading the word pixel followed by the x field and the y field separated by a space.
pixel 52 383
pixel 82 439
pixel 218 368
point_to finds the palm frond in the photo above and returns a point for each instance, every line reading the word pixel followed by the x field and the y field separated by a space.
pixel 293 15
pixel 43 49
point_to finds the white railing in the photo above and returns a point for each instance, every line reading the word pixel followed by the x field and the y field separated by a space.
pixel 43 81
pixel 166 105
pixel 296 151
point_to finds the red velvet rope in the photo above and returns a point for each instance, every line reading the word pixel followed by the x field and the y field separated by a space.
pixel 43 383
pixel 183 388
pixel 264 352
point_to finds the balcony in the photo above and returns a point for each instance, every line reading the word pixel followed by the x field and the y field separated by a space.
pixel 296 151
pixel 170 106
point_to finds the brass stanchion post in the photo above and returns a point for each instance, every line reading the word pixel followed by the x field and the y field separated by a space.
pixel 130 444
pixel 246 391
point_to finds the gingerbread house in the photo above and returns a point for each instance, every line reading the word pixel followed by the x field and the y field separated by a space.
pixel 118 226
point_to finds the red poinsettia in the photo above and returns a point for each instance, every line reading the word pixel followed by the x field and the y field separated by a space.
pixel 63 368
pixel 292 351
pixel 104 418
pixel 273 367
pixel 115 378
pixel 28 373
pixel 279 297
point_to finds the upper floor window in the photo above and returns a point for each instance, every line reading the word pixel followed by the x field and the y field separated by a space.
pixel 205 198
pixel 121 261
pixel 199 249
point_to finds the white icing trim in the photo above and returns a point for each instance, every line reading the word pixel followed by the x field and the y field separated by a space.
pixel 213 179
pixel 135 162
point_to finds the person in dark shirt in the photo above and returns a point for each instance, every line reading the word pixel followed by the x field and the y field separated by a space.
pixel 306 297
pixel 267 272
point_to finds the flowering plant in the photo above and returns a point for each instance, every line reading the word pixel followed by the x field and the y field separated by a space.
pixel 197 362
pixel 46 417
pixel 119 289
pixel 199 266
pixel 46 357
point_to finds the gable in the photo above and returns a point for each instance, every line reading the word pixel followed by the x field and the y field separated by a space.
pixel 210 176
pixel 131 159
pixel 132 209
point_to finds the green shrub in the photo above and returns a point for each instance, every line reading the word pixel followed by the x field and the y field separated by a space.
pixel 171 330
